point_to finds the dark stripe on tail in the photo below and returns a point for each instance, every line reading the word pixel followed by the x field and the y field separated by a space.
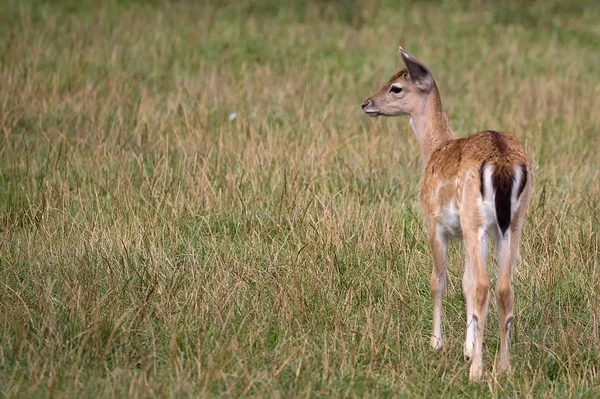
pixel 502 181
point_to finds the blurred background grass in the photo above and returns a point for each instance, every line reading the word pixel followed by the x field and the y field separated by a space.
pixel 151 246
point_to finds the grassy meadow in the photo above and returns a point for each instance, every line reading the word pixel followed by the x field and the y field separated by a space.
pixel 192 203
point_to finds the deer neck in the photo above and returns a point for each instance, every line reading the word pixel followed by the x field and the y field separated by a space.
pixel 431 125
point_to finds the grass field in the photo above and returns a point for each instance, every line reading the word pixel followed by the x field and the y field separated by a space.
pixel 152 245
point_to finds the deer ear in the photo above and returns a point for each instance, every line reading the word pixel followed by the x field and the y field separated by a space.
pixel 419 74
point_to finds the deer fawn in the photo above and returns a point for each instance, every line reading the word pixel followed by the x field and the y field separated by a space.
pixel 472 188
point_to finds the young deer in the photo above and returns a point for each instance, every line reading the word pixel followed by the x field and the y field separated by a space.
pixel 472 187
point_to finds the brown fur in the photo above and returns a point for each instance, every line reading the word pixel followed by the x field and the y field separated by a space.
pixel 453 178
pixel 454 158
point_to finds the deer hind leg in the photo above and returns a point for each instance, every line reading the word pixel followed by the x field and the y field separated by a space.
pixel 508 253
pixel 439 249
pixel 476 288
pixel 505 297
pixel 467 285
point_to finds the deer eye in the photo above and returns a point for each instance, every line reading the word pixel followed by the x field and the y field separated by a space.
pixel 396 89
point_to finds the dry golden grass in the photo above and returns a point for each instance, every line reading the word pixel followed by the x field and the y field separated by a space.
pixel 153 247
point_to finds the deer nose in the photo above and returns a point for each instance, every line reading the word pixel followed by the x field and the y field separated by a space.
pixel 367 103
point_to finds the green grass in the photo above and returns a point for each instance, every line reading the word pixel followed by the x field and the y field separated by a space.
pixel 152 247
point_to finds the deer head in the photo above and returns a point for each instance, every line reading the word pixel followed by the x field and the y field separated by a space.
pixel 405 93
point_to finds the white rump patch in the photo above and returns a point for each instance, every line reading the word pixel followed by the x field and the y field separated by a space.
pixel 514 197
pixel 487 206
pixel 488 185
